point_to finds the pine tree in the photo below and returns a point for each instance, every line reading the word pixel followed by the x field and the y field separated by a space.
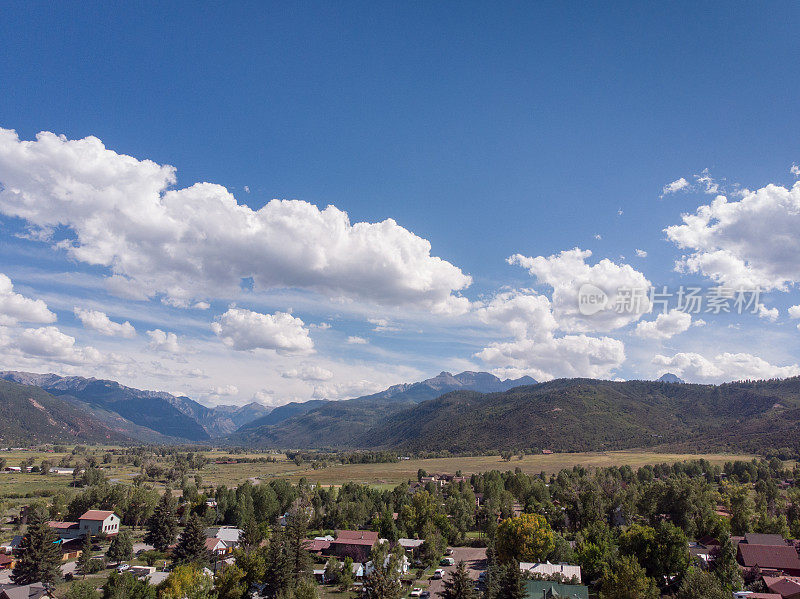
pixel 459 586
pixel 509 583
pixel 39 554
pixel 295 534
pixel 251 535
pixel 278 575
pixel 121 548
pixel 163 524
pixel 726 569
pixel 85 558
pixel 191 547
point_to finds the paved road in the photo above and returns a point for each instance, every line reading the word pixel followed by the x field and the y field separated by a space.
pixel 473 557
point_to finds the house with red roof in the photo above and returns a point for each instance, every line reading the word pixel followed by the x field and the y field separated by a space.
pixel 95 522
pixel 356 544
pixel 769 558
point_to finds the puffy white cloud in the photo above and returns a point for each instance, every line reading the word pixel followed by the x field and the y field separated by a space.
pixel 308 372
pixel 164 341
pixel 568 271
pixel 641 253
pixel 746 243
pixel 47 343
pixel 100 322
pixel 770 314
pixel 794 312
pixel 665 325
pixel 675 186
pixel 224 391
pixel 568 356
pixel 535 349
pixel 523 314
pixel 795 170
pixel 694 367
pixel 245 330
pixel 183 243
pixel 15 307
pixel 353 340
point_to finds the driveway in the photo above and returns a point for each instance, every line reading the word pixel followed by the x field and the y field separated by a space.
pixel 474 559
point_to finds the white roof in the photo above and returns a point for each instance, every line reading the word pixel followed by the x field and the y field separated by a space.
pixel 548 569
pixel 410 543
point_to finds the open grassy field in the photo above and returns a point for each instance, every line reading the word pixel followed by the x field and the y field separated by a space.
pixel 16 486
pixel 394 473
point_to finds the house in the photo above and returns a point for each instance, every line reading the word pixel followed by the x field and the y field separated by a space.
pixel 412 546
pixel 317 546
pixel 752 538
pixel 229 534
pixel 543 589
pixel 28 591
pixel 66 530
pixel 772 558
pixel 216 546
pixel 6 562
pixel 95 522
pixel 547 569
pixel 788 587
pixel 752 595
pixel 356 544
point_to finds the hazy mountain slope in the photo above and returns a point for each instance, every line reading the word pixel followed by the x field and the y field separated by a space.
pixel 29 415
pixel 168 416
pixel 333 424
pixel 283 412
pixel 583 414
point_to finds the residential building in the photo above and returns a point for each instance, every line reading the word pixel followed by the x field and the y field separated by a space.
pixel 356 544
pixel 543 589
pixel 36 590
pixel 547 569
pixel 95 522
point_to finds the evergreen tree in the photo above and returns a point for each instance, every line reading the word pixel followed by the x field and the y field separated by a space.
pixel 346 578
pixel 295 535
pixel 726 568
pixel 382 583
pixel 509 582
pixel 39 555
pixel 84 564
pixel 278 575
pixel 163 524
pixel 121 548
pixel 459 586
pixel 191 547
pixel 251 535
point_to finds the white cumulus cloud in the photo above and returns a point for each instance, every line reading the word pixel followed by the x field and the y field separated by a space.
pixel 46 343
pixel 308 372
pixel 100 322
pixel 245 330
pixel 770 314
pixel 697 368
pixel 535 349
pixel 665 325
pixel 164 341
pixel 568 271
pixel 641 253
pixel 183 243
pixel 15 307
pixel 794 312
pixel 746 243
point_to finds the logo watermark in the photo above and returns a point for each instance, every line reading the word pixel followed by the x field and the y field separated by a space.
pixel 688 299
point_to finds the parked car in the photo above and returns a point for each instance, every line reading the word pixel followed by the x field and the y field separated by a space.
pixel 416 592
pixel 438 574
pixel 449 551
pixel 123 567
pixel 447 561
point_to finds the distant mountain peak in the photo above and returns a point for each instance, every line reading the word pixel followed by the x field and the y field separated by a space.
pixel 668 377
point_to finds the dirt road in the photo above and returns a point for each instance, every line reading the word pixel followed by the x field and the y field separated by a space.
pixel 474 559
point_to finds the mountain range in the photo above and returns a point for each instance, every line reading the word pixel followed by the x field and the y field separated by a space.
pixel 466 412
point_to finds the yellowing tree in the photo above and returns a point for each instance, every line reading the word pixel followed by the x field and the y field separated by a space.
pixel 525 538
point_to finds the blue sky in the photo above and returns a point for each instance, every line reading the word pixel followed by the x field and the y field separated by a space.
pixel 486 131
